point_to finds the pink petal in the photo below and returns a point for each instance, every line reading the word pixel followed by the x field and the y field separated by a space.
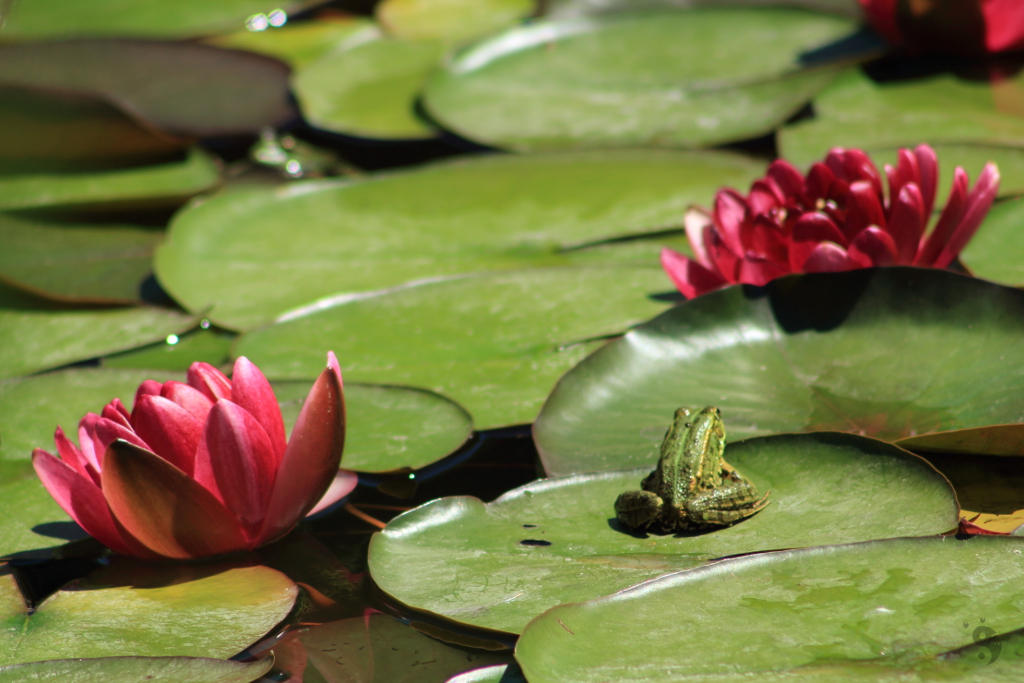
pixel 828 258
pixel 863 208
pixel 343 484
pixel 311 460
pixel 729 216
pixel 723 259
pixel 928 165
pixel 237 463
pixel 70 454
pixel 210 381
pixel 192 400
pixel 873 247
pixel 861 168
pixel 819 183
pixel 251 390
pixel 690 278
pixel 810 230
pixel 950 218
pixel 758 270
pixel 882 16
pixel 91 445
pixel 82 500
pixel 762 198
pixel 696 221
pixel 767 239
pixel 165 509
pixel 906 171
pixel 789 180
pixel 150 387
pixel 1004 25
pixel 169 430
pixel 978 204
pixel 906 223
pixel 108 431
pixel 119 407
pixel 115 415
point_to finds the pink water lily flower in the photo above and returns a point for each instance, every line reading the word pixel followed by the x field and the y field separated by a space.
pixel 970 26
pixel 836 218
pixel 200 469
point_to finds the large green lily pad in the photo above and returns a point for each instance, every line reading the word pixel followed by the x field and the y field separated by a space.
pixel 367 87
pixel 664 79
pixel 154 19
pixel 451 20
pixel 892 607
pixel 76 262
pixel 300 43
pixel 995 251
pixel 155 186
pixel 137 609
pixel 133 669
pixel 35 337
pixel 494 212
pixel 889 352
pixel 389 427
pixel 184 87
pixel 178 352
pixel 958 118
pixel 494 343
pixel 557 540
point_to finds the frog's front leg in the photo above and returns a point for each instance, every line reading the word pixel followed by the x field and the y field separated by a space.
pixel 723 506
pixel 638 509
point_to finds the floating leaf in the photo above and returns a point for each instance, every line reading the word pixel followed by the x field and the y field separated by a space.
pixel 995 251
pixel 889 352
pixel 187 88
pixel 389 428
pixel 557 540
pixel 487 213
pixel 956 117
pixel 498 673
pixel 178 352
pixel 494 343
pixel 369 87
pixel 884 607
pixel 301 43
pixel 156 186
pixel 663 79
pixel 453 20
pixel 76 262
pixel 132 669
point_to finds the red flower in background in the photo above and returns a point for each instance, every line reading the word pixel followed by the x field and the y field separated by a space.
pixel 949 25
pixel 837 218
pixel 202 468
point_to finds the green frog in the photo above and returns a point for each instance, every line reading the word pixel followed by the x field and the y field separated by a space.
pixel 693 487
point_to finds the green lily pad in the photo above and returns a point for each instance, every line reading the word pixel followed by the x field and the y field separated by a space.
pixel 380 648
pixel 663 79
pixel 155 19
pixel 155 186
pixel 889 352
pixel 994 252
pixel 871 604
pixel 368 88
pixel 958 118
pixel 990 440
pixel 35 336
pixel 388 428
pixel 557 540
pixel 136 609
pixel 298 44
pixel 203 90
pixel 46 132
pixel 497 673
pixel 487 213
pixel 452 20
pixel 494 343
pixel 177 352
pixel 76 262
pixel 132 669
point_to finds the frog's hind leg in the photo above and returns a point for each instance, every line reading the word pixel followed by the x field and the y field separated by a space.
pixel 725 505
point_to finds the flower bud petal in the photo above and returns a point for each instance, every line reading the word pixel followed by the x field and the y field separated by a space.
pixel 690 278
pixel 168 430
pixel 251 390
pixel 210 381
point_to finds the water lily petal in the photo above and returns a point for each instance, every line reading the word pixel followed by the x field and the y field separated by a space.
pixel 828 257
pixel 168 430
pixel 344 483
pixel 149 387
pixel 108 431
pixel 759 270
pixel 82 499
pixel 236 462
pixel 882 16
pixel 251 390
pixel 164 508
pixel 906 171
pixel 819 184
pixel 928 165
pixel 112 413
pixel 192 400
pixel 696 220
pixel 763 198
pixel 789 180
pixel 863 208
pixel 210 381
pixel 978 204
pixel 767 239
pixel 873 247
pixel 951 216
pixel 311 459
pixel 723 259
pixel 906 223
pixel 74 457
pixel 690 278
pixel 91 445
pixel 810 230
pixel 729 215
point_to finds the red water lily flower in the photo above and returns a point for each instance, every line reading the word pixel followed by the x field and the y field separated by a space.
pixel 837 218
pixel 949 25
pixel 200 469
